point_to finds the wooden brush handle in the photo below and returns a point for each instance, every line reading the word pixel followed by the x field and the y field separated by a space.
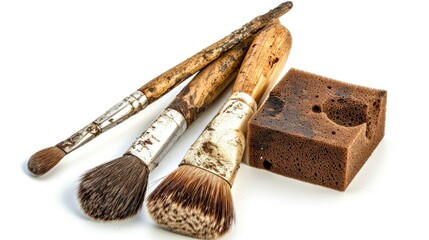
pixel 209 83
pixel 160 85
pixel 264 60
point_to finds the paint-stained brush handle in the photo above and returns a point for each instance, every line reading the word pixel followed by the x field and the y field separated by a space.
pixel 220 147
pixel 164 82
pixel 209 83
pixel 269 50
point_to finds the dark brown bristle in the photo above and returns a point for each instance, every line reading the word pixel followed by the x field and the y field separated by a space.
pixel 44 160
pixel 193 202
pixel 114 190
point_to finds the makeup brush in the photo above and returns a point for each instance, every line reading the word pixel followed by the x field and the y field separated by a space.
pixel 195 199
pixel 44 160
pixel 115 190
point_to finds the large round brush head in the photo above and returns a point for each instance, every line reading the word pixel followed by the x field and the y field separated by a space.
pixel 114 190
pixel 193 202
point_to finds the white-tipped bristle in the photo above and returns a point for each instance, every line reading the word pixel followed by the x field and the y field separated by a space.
pixel 193 202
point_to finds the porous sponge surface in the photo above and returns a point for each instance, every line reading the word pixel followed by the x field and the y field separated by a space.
pixel 317 129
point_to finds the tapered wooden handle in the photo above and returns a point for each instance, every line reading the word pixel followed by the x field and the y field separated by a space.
pixel 210 82
pixel 160 85
pixel 264 60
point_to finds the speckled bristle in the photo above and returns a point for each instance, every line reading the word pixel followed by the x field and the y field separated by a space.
pixel 193 202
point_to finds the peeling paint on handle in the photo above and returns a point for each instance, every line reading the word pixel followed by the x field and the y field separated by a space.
pixel 131 105
pixel 220 148
pixel 157 140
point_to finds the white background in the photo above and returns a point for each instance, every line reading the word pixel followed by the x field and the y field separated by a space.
pixel 63 63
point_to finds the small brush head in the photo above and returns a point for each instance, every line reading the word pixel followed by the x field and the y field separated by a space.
pixel 44 160
pixel 193 202
pixel 114 190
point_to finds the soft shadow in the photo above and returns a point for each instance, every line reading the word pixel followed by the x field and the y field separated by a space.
pixel 159 232
pixel 371 170
pixel 24 168
pixel 70 202
pixel 53 171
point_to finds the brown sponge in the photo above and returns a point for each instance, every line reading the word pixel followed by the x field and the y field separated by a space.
pixel 317 129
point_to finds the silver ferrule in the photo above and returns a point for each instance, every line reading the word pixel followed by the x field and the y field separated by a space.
pixel 220 147
pixel 157 140
pixel 115 115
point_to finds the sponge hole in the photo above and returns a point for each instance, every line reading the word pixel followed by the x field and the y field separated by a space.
pixel 346 111
pixel 267 164
pixel 316 109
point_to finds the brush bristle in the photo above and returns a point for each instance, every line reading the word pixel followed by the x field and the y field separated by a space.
pixel 44 160
pixel 114 190
pixel 193 202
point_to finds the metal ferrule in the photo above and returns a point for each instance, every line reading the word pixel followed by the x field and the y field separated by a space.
pixel 219 149
pixel 115 115
pixel 157 140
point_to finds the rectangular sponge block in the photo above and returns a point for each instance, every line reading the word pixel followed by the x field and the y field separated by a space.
pixel 317 129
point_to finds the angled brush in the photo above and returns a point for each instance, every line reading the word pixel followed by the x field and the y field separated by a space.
pixel 44 160
pixel 115 190
pixel 195 199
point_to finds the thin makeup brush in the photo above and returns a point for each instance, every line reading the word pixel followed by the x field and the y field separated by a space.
pixel 115 190
pixel 195 199
pixel 44 160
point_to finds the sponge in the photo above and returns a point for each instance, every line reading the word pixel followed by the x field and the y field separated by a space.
pixel 317 129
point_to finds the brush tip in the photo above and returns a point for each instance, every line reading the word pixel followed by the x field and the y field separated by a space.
pixel 193 202
pixel 284 7
pixel 44 160
pixel 114 190
pixel 288 4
